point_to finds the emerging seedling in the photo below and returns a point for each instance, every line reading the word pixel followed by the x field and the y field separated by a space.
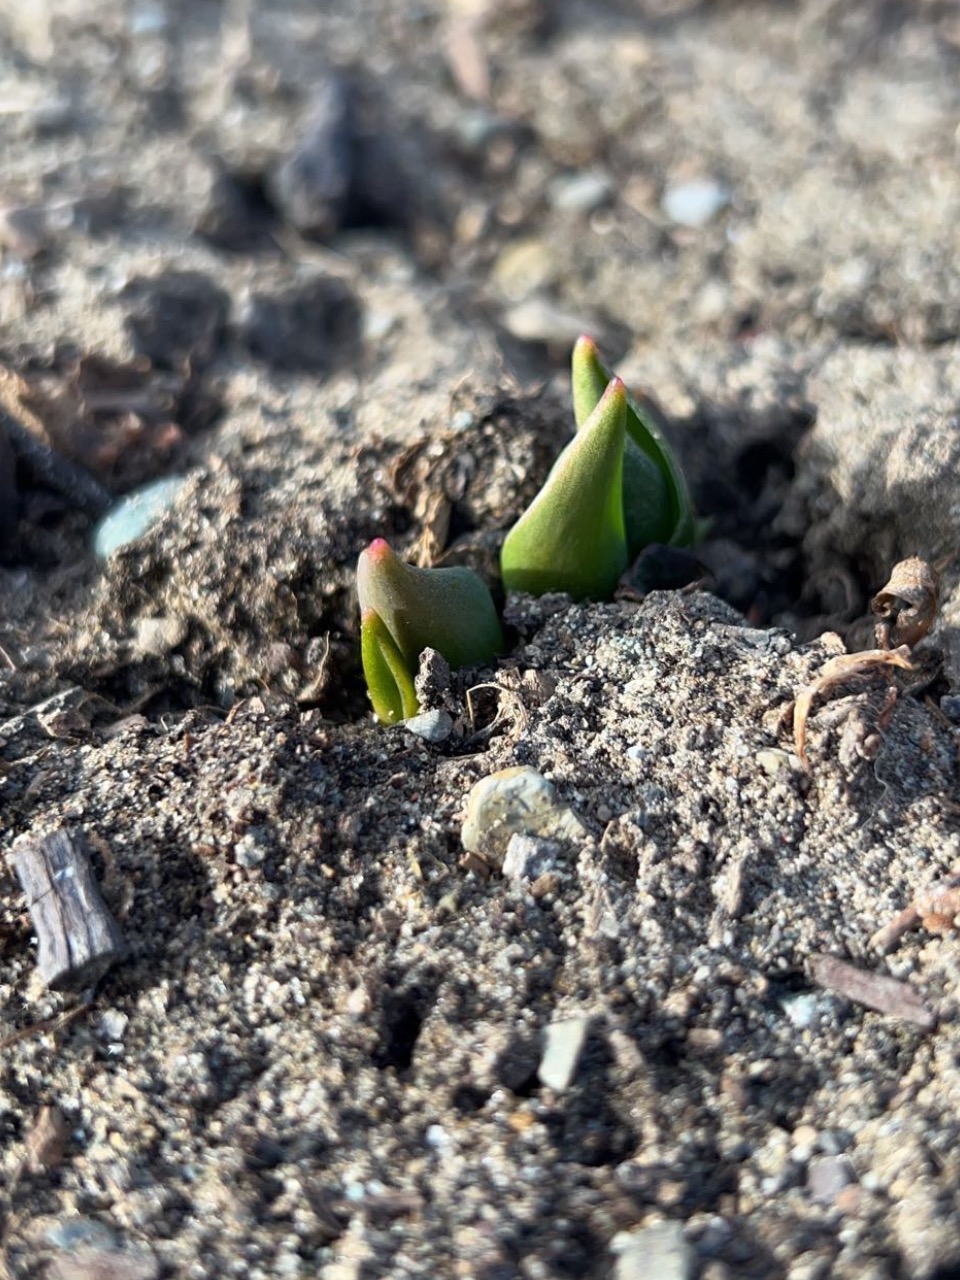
pixel 572 537
pixel 616 489
pixel 656 500
pixel 389 679
pixel 404 610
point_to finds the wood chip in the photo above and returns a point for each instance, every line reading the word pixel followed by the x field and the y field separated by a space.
pixel 885 995
pixel 78 939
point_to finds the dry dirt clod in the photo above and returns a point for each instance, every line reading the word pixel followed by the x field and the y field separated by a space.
pixel 837 671
pixel 47 1140
pixel 906 608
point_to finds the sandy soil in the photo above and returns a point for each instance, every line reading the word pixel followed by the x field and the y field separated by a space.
pixel 327 262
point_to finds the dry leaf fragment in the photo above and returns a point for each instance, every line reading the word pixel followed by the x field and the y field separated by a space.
pixel 906 608
pixel 936 907
pixel 885 995
pixel 838 671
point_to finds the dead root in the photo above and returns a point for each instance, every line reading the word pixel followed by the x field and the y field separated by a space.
pixel 905 610
pixel 847 668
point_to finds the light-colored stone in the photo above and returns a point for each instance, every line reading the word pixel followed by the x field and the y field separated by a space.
pixel 658 1251
pixel 563 1044
pixel 515 800
pixel 431 726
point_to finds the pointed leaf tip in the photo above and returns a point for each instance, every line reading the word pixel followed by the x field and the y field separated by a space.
pixel 572 537
pixel 657 504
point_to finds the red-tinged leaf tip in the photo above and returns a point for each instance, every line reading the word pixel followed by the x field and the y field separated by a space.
pixel 448 609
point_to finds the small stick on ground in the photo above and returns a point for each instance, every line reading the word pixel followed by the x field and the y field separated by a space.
pixel 885 995
pixel 73 483
pixel 78 937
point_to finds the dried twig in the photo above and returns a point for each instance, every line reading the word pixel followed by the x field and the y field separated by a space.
pixel 885 995
pixel 73 482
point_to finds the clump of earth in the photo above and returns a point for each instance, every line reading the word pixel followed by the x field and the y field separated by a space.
pixel 328 267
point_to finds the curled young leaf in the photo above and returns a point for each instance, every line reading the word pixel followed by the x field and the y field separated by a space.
pixel 656 500
pixel 389 679
pixel 572 537
pixel 449 610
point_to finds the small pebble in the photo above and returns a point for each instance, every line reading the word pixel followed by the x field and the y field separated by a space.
pixel 377 324
pixel 580 192
pixel 950 706
pixel 114 1024
pixel 538 320
pixel 827 1177
pixel 475 129
pixel 250 851
pixel 157 637
pixel 694 204
pixel 135 514
pixel 515 800
pixel 103 1264
pixel 431 726
pixel 563 1045
pixel 462 420
pixel 658 1251
pixel 802 1010
pixel 771 760
pixel 81 1233
pixel 522 268
pixel 529 857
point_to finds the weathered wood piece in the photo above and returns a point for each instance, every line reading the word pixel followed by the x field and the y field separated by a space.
pixel 78 938
pixel 886 995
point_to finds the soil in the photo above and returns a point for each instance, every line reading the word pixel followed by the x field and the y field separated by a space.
pixel 327 263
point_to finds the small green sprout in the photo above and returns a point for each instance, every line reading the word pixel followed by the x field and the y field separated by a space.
pixel 656 500
pixel 572 536
pixel 616 489
pixel 389 680
pixel 404 610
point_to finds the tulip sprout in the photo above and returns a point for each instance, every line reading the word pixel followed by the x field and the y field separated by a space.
pixel 656 500
pixel 572 537
pixel 615 489
pixel 404 610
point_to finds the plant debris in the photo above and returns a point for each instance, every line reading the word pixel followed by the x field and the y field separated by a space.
pixel 936 908
pixel 906 608
pixel 885 995
pixel 844 669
